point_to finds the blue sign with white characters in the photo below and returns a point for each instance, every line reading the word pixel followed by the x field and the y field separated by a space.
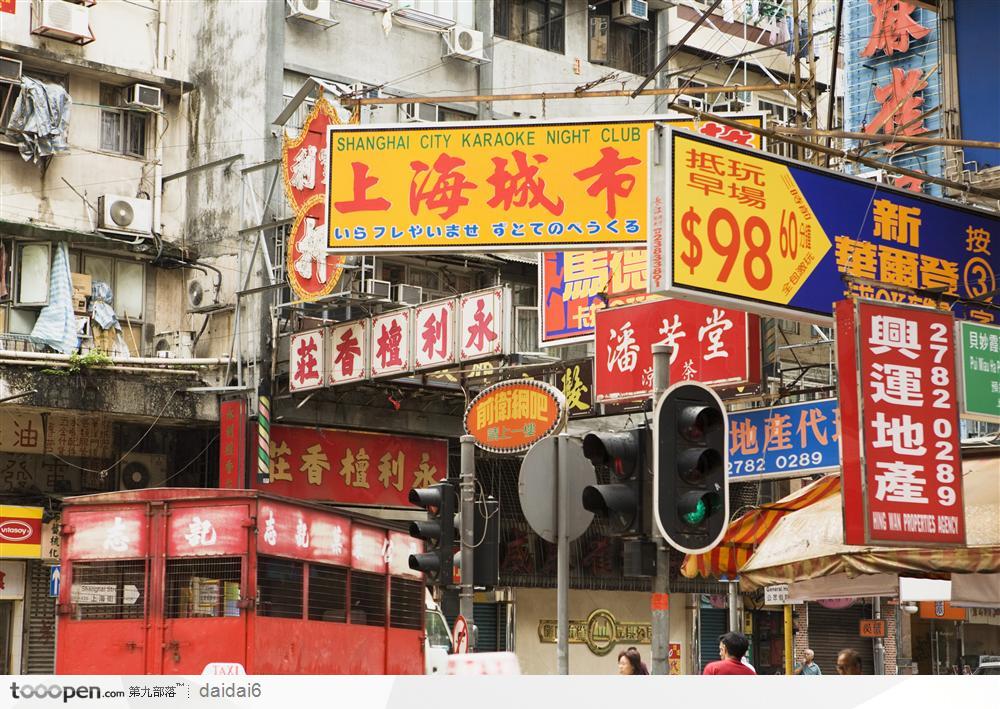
pixel 784 441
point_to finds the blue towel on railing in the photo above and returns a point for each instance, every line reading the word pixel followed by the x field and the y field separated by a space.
pixel 56 324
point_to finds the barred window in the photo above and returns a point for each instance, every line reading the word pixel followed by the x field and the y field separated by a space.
pixel 406 604
pixel 367 599
pixel 327 593
pixel 203 588
pixel 109 590
pixel 279 587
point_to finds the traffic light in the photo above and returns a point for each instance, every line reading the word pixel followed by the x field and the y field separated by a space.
pixel 620 503
pixel 690 468
pixel 438 531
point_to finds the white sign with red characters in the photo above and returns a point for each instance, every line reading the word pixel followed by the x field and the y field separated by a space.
pixel 348 352
pixel 711 345
pixel 485 324
pixel 306 362
pixel 390 343
pixel 434 335
pixel 902 476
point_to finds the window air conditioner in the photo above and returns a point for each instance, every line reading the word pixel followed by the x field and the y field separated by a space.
pixel 317 11
pixel 125 214
pixel 379 289
pixel 202 291
pixel 465 44
pixel 10 70
pixel 137 471
pixel 143 96
pixel 178 343
pixel 61 20
pixel 408 295
pixel 417 113
pixel 630 12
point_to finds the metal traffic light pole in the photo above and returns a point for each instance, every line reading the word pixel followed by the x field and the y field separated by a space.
pixel 562 557
pixel 467 497
pixel 660 602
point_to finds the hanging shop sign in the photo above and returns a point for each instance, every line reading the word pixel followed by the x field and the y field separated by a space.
pixel 390 343
pixel 352 467
pixel 349 352
pixel 20 532
pixel 511 416
pixel 486 324
pixel 435 334
pixel 712 345
pixel 312 271
pixel 736 226
pixel 488 186
pixel 232 442
pixel 784 441
pixel 902 466
pixel 306 363
pixel 979 371
pixel 575 379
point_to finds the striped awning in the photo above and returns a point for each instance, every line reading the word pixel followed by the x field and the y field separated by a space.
pixel 746 532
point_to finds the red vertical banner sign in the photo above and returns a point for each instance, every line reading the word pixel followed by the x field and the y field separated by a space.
pixel 232 443
pixel 902 466
pixel 9 6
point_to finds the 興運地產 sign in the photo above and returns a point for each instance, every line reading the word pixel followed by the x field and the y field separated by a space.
pixel 902 463
pixel 735 226
pixel 494 186
pixel 712 345
pixel 979 370
pixel 784 441
pixel 511 416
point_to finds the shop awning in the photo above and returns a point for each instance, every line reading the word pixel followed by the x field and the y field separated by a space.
pixel 808 543
pixel 746 532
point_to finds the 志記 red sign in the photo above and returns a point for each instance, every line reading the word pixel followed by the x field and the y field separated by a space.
pixel 352 467
pixel 902 466
pixel 712 345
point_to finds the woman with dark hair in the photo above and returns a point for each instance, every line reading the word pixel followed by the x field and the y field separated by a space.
pixel 630 663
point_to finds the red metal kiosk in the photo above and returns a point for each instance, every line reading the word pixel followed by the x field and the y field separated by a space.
pixel 165 581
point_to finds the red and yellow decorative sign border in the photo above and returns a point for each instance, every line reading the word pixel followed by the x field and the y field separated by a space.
pixel 483 441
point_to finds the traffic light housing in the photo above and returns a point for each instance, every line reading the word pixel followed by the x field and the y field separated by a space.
pixel 691 468
pixel 621 502
pixel 437 531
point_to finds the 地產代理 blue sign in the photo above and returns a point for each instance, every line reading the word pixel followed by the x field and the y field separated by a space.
pixel 784 441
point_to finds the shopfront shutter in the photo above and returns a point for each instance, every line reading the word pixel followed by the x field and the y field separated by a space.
pixel 713 624
pixel 40 621
pixel 833 630
pixel 491 620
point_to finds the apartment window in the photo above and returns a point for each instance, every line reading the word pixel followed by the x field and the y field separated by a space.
pixel 122 131
pixel 537 23
pixel 631 48
pixel 127 280
pixel 430 113
pixel 782 115
pixel 696 101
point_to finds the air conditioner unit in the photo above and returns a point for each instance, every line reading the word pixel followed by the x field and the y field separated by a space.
pixel 176 344
pixel 202 291
pixel 629 12
pixel 466 44
pixel 137 471
pixel 126 214
pixel 379 289
pixel 408 295
pixel 417 113
pixel 143 96
pixel 317 11
pixel 61 20
pixel 10 70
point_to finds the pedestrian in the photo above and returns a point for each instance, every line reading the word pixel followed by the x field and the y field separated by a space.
pixel 630 663
pixel 808 667
pixel 848 662
pixel 732 648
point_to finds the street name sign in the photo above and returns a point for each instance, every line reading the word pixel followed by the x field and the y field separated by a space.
pixel 734 226
pixel 871 628
pixel 979 371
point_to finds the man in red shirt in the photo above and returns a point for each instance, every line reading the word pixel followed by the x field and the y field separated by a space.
pixel 732 648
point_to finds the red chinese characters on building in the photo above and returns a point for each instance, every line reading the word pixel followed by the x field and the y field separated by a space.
pixel 390 343
pixel 902 477
pixel 347 349
pixel 232 442
pixel 362 201
pixel 435 326
pixel 303 533
pixel 609 176
pixel 900 112
pixel 484 324
pixel 447 191
pixel 523 188
pixel 306 362
pixel 711 345
pixel 352 467
pixel 893 27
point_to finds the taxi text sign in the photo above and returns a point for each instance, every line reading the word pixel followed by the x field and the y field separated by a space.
pixel 731 225
pixel 492 185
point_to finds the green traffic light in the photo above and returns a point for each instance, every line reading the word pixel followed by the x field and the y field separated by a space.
pixel 697 515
